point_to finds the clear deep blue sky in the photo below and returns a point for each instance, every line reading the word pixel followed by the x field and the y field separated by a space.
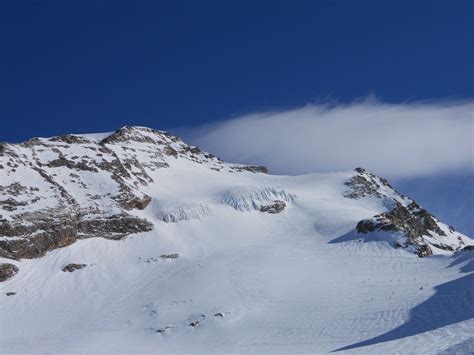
pixel 90 66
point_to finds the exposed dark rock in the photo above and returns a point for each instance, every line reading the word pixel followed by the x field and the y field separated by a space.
pixel 276 207
pixel 63 162
pixel 427 219
pixel 51 229
pixel 363 184
pixel 219 314
pixel 113 227
pixel 194 324
pixel 421 229
pixel 413 221
pixel 251 168
pixel 443 246
pixel 129 201
pixel 11 204
pixel 73 267
pixel 163 330
pixel 424 250
pixel 150 260
pixel 42 231
pixel 169 256
pixel 7 271
pixel 11 293
pixel 70 139
pixel 170 151
pixel 131 134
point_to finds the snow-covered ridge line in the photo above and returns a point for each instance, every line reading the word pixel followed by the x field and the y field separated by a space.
pixel 57 190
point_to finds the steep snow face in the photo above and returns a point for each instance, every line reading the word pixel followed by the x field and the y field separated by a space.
pixel 215 257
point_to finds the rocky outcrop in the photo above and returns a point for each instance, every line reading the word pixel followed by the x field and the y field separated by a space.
pixel 7 271
pixel 412 220
pixel 421 230
pixel 113 227
pixel 276 207
pixel 31 235
pixel 250 168
pixel 73 267
pixel 365 184
pixel 169 256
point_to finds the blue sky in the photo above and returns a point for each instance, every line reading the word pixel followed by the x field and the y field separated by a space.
pixel 218 72
pixel 96 65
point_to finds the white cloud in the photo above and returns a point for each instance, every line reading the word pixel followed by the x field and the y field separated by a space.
pixel 395 140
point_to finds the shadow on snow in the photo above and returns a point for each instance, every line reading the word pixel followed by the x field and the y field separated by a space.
pixel 452 303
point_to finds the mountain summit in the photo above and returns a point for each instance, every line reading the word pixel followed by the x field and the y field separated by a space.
pixel 54 191
pixel 137 232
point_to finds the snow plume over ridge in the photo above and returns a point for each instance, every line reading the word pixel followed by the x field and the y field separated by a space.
pixel 396 140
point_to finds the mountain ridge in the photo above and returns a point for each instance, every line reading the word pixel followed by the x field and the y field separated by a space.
pixel 94 185
pixel 135 242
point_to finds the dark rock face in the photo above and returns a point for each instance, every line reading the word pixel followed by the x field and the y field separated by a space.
pixel 276 207
pixel 424 250
pixel 412 220
pixel 7 271
pixel 54 229
pixel 251 168
pixel 70 139
pixel 73 267
pixel 365 184
pixel 169 256
pixel 11 293
pixel 114 227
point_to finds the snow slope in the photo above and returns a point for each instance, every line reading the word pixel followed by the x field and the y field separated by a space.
pixel 215 274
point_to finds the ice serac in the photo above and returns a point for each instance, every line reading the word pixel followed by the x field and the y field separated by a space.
pixel 409 225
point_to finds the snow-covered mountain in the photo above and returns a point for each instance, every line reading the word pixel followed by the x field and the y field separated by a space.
pixel 134 241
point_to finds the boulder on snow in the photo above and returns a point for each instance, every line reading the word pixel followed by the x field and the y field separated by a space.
pixel 276 207
pixel 169 256
pixel 73 267
pixel 7 271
